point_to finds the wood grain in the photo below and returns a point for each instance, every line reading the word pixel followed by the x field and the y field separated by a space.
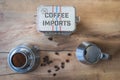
pixel 100 24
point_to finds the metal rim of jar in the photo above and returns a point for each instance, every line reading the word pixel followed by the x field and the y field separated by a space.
pixel 31 56
pixel 84 47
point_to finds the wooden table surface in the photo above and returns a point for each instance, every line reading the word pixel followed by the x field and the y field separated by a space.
pixel 100 24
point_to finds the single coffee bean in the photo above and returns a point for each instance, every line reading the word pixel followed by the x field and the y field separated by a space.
pixel 69 54
pixel 54 74
pixel 62 67
pixel 49 71
pixel 50 38
pixel 62 63
pixel 67 61
pixel 56 53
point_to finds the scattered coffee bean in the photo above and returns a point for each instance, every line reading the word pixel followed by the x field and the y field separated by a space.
pixel 62 67
pixel 56 68
pixel 43 64
pixel 69 54
pixel 56 53
pixel 49 71
pixel 62 63
pixel 50 38
pixel 54 74
pixel 49 62
pixel 46 58
pixel 67 60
